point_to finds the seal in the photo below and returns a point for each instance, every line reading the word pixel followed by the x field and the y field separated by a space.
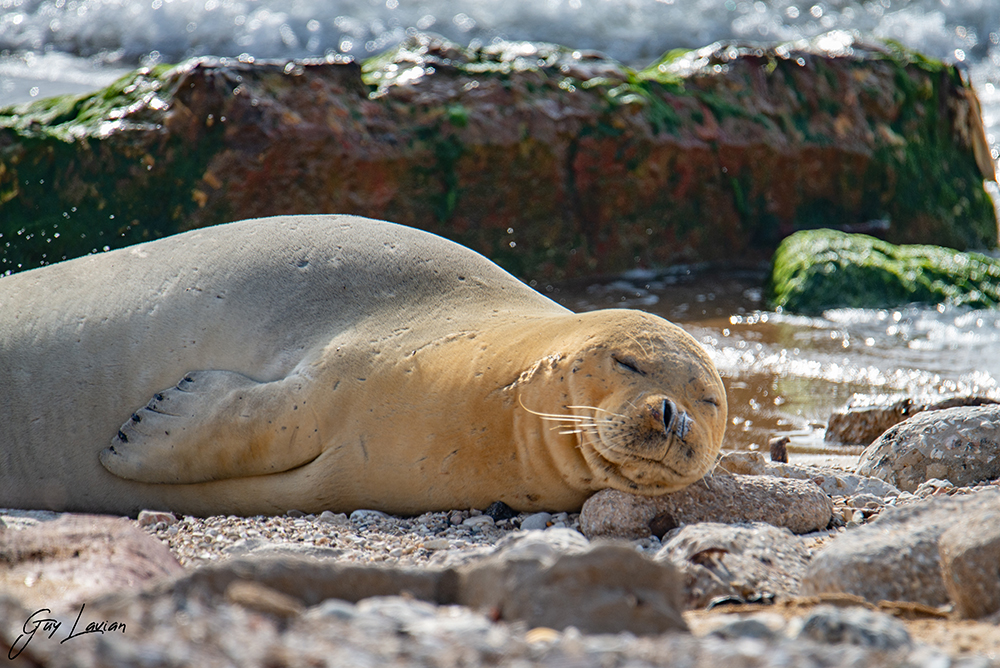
pixel 333 362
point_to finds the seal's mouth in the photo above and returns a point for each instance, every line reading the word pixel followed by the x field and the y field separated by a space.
pixel 651 447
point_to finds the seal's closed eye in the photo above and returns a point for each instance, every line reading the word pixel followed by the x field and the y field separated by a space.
pixel 628 363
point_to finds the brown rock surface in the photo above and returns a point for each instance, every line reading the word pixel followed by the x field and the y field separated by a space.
pixel 750 562
pixel 77 558
pixel 606 589
pixel 552 162
pixel 310 581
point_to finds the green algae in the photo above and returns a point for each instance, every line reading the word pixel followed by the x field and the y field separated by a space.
pixel 816 270
pixel 85 173
pixel 901 54
pixel 660 70
pixel 69 117
pixel 931 174
pixel 102 170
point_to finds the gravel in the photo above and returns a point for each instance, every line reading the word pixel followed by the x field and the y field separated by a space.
pixel 367 536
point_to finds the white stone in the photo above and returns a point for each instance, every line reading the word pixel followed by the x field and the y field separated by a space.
pixel 363 515
pixel 478 521
pixel 329 517
pixel 536 522
pixel 436 544
pixel 151 517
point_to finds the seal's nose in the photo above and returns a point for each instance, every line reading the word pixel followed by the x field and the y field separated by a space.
pixel 672 420
pixel 663 415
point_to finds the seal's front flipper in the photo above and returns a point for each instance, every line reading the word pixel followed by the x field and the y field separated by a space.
pixel 215 425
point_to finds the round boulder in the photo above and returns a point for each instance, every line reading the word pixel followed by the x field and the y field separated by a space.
pixel 961 445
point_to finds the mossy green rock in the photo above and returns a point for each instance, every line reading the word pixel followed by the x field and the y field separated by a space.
pixel 814 270
pixel 551 161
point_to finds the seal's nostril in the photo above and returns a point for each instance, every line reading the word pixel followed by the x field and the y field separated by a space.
pixel 684 423
pixel 668 414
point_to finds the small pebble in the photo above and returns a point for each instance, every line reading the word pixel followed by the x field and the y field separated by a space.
pixel 541 634
pixel 779 449
pixel 499 510
pixel 865 501
pixel 151 517
pixel 368 515
pixel 478 521
pixel 437 544
pixel 329 517
pixel 536 522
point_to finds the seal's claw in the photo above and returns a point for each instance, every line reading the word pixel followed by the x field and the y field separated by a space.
pixel 183 434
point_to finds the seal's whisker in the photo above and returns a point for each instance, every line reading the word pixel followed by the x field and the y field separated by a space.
pixel 575 428
pixel 579 431
pixel 641 347
pixel 566 417
pixel 595 408
pixel 563 418
pixel 581 428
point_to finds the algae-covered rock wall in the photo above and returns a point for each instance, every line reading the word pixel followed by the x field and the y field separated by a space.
pixel 817 270
pixel 551 161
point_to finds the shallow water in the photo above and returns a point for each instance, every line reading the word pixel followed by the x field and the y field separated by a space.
pixel 786 374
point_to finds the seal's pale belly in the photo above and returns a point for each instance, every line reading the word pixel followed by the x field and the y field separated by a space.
pixel 327 362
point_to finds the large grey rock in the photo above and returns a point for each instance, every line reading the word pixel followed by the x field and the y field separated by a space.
pixel 830 480
pixel 553 578
pixel 895 557
pixel 970 561
pixel 73 559
pixel 750 561
pixel 861 423
pixel 608 588
pixel 798 505
pixel 961 445
pixel 311 580
pixel 550 544
pixel 857 626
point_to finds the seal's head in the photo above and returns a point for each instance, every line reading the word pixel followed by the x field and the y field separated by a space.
pixel 640 396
